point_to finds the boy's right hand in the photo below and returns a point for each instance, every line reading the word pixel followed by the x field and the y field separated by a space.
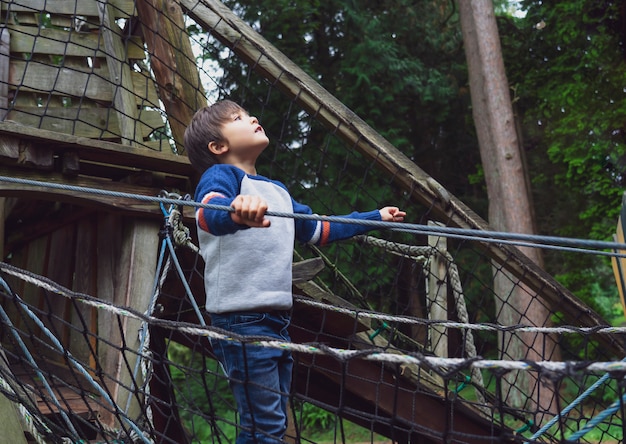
pixel 249 210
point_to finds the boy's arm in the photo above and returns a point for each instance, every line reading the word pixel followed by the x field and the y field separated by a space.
pixel 220 186
pixel 323 232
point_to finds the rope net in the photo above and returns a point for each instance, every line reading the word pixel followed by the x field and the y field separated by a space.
pixel 401 335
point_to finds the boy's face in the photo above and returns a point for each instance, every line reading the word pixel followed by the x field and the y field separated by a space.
pixel 243 135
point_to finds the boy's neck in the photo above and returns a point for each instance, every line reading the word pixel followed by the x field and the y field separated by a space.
pixel 247 167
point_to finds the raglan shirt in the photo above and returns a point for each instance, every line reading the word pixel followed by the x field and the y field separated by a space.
pixel 249 269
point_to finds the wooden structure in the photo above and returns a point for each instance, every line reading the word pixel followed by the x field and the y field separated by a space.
pixel 81 108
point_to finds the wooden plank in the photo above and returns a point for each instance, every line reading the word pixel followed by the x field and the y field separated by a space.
pixel 5 43
pixel 60 268
pixel 74 393
pixel 97 123
pixel 123 205
pixel 119 74
pixel 109 246
pixel 25 153
pixel 85 281
pixel 96 150
pixel 619 264
pixel 437 295
pixel 82 83
pixel 306 270
pixel 121 8
pixel 49 41
pixel 127 252
pixel 35 253
pixel 138 260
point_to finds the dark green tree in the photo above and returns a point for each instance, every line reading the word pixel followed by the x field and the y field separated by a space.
pixel 565 63
pixel 398 65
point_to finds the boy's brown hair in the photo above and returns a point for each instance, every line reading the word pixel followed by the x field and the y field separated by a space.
pixel 205 127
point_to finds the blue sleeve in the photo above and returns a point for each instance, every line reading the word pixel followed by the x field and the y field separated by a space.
pixel 323 232
pixel 219 185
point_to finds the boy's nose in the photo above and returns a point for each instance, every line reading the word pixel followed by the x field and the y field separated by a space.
pixel 253 119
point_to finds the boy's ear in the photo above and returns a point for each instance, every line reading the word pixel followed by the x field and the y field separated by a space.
pixel 217 148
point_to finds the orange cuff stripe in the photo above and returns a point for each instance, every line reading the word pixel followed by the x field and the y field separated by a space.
pixel 205 200
pixel 325 233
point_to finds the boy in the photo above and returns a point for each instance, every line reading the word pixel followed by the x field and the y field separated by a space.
pixel 248 259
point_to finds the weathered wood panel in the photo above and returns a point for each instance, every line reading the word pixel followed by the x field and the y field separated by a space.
pixel 77 82
pixel 60 269
pixel 98 123
pixel 127 257
pixel 82 346
pixel 13 136
pixel 124 101
pixel 93 73
pixel 34 40
pixel 122 8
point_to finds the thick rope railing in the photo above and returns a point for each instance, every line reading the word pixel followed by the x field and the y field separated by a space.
pixel 374 354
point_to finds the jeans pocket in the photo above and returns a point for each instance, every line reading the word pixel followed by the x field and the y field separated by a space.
pixel 244 319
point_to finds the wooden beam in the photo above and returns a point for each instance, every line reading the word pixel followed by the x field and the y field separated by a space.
pixel 98 150
pixel 437 294
pixel 122 205
pixel 619 263
pixel 172 61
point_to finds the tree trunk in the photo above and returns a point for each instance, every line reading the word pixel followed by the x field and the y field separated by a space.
pixel 509 200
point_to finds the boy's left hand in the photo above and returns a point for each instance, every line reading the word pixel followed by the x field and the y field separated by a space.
pixel 392 214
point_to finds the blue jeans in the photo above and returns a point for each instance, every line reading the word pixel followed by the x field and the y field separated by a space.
pixel 260 377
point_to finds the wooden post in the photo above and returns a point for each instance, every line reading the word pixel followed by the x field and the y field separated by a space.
pixel 4 71
pixel 172 61
pixel 619 263
pixel 120 77
pixel 437 294
pixel 127 265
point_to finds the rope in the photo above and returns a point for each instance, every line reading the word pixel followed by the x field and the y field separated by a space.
pixel 77 365
pixel 26 419
pixel 420 253
pixel 568 368
pixel 31 360
pixel 598 419
pixel 563 243
pixel 572 405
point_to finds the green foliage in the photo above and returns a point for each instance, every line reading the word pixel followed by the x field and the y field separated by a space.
pixel 572 95
pixel 566 63
pixel 191 376
pixel 398 65
pixel 597 287
pixel 314 417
